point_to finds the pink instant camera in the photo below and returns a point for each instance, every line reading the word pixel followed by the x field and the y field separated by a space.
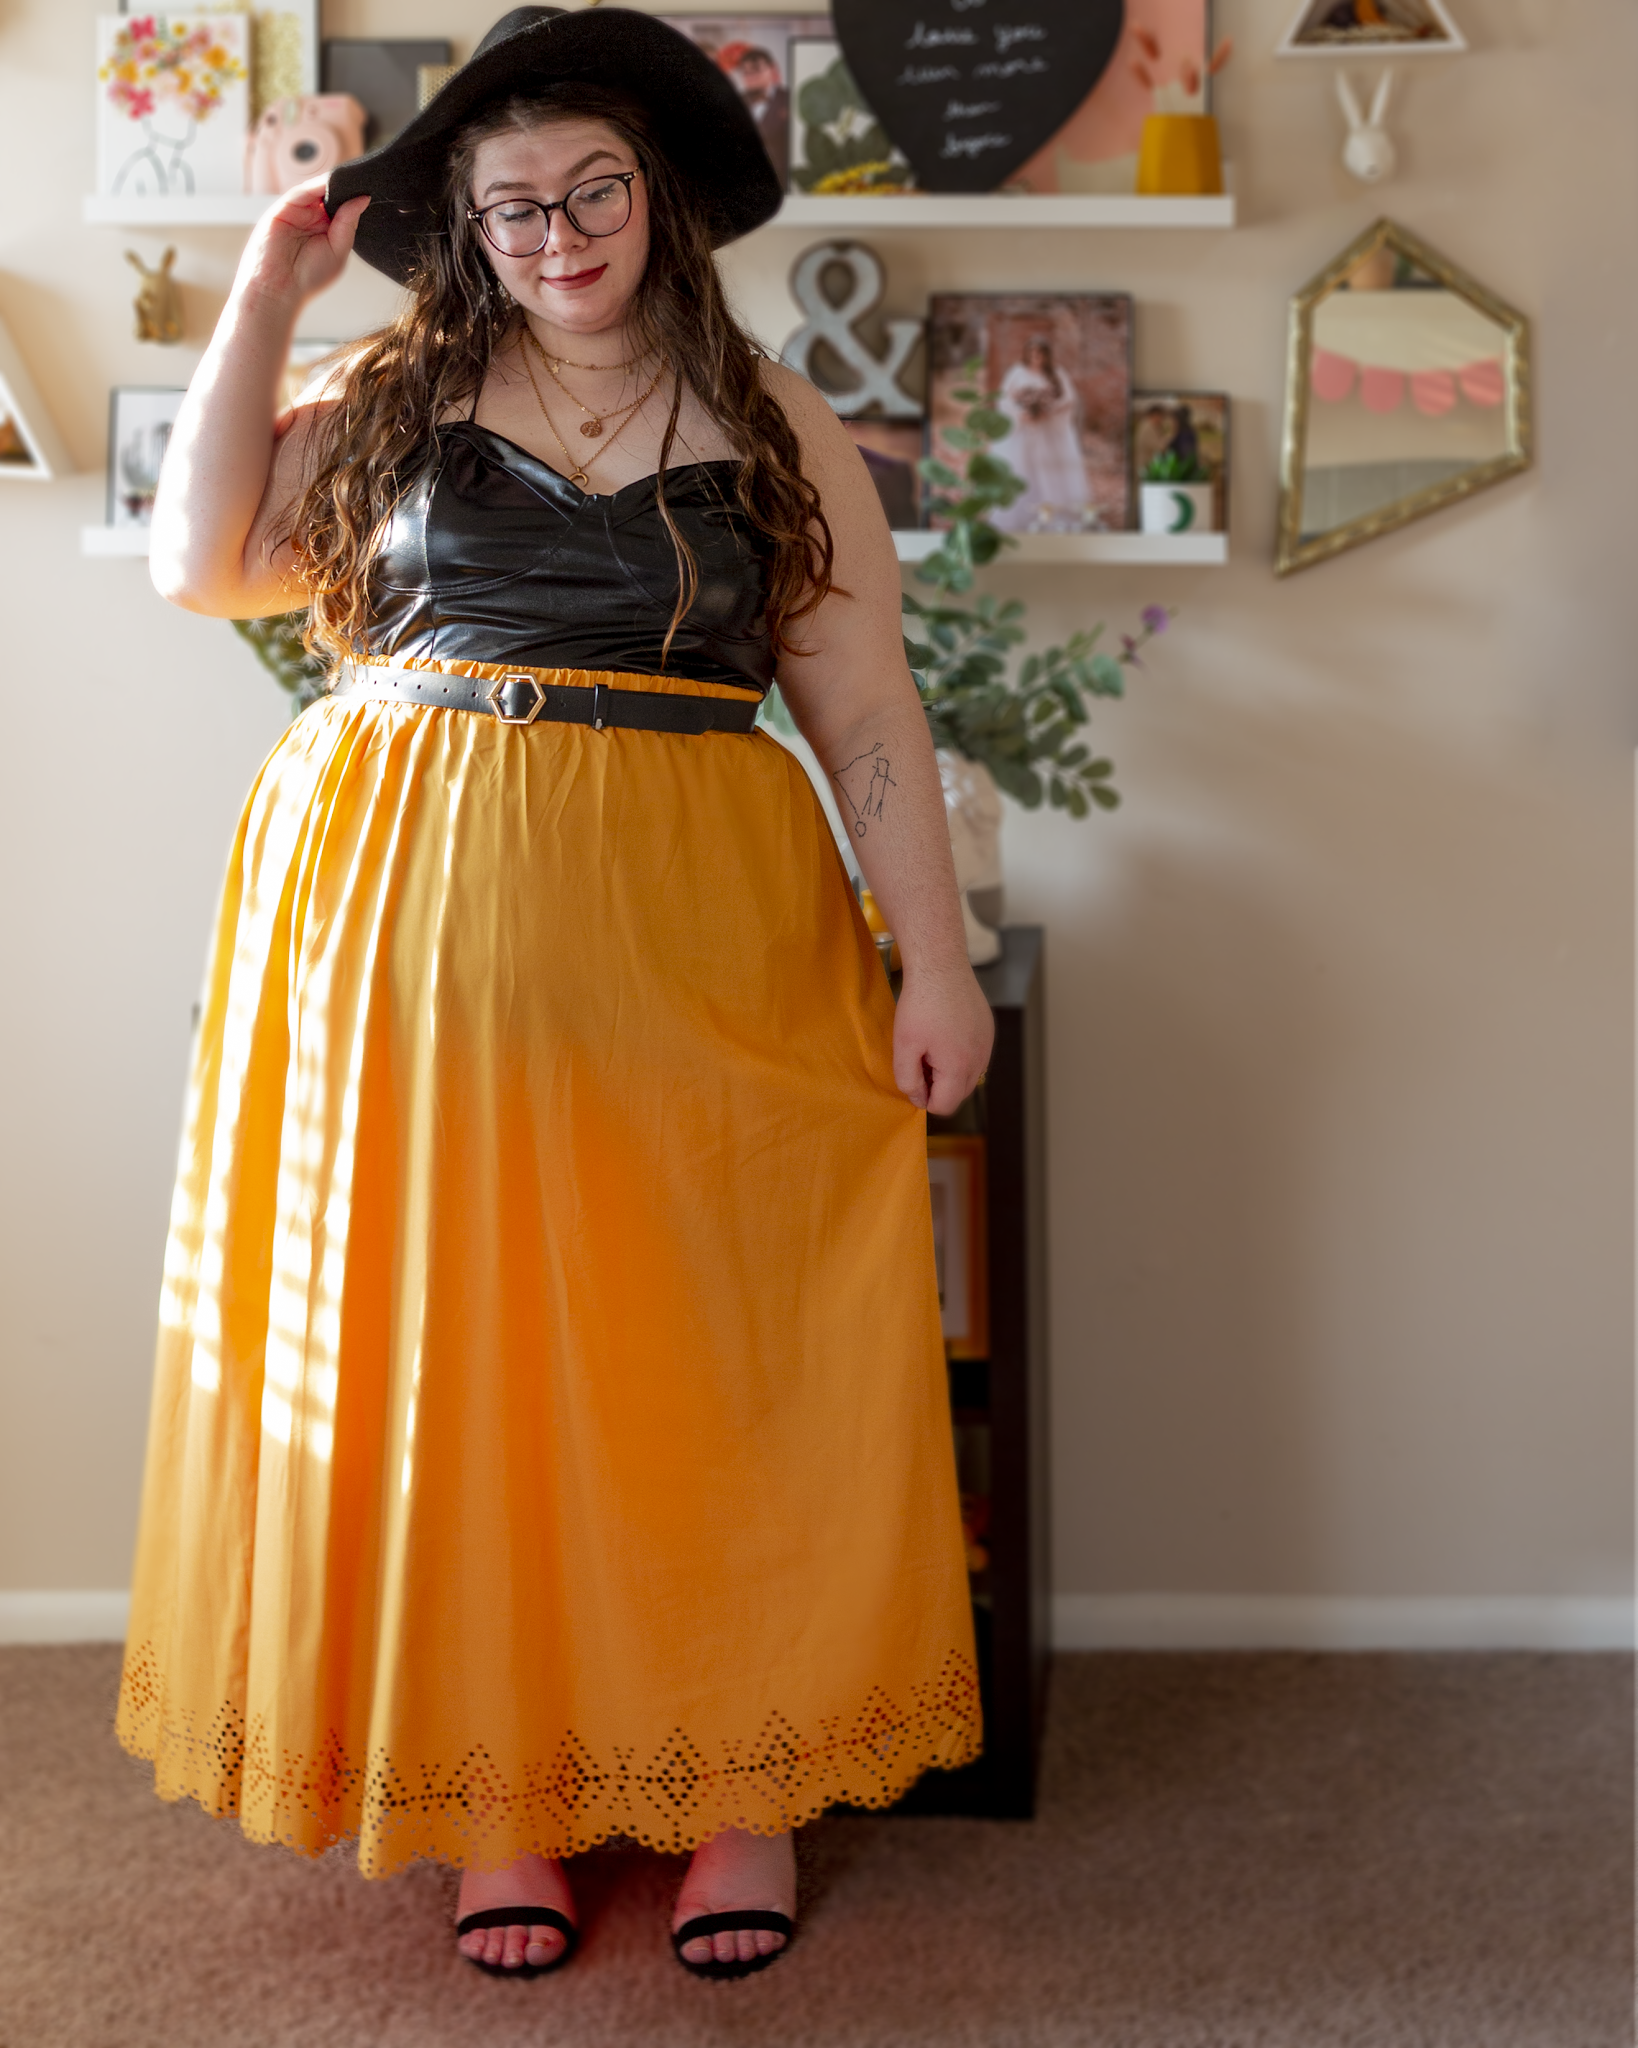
pixel 299 139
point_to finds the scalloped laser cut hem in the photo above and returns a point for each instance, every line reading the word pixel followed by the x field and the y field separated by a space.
pixel 470 1815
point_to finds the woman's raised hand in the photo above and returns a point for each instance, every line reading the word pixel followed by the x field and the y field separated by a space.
pixel 297 250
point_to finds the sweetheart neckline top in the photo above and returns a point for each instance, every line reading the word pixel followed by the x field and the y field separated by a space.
pixel 493 555
pixel 677 469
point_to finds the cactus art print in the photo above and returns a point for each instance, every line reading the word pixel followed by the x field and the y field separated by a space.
pixel 172 103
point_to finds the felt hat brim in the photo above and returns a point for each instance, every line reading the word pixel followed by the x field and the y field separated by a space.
pixel 697 115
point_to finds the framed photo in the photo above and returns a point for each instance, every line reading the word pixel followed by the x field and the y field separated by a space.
pixel 385 79
pixel 1162 65
pixel 754 50
pixel 173 103
pixel 891 451
pixel 1192 426
pixel 955 1181
pixel 140 419
pixel 284 48
pixel 1061 363
pixel 837 144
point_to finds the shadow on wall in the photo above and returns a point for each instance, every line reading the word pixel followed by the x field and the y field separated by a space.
pixel 1181 1337
pixel 1323 1181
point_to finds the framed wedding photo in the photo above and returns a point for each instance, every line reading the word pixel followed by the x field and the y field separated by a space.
pixel 140 419
pixel 956 1185
pixel 1061 366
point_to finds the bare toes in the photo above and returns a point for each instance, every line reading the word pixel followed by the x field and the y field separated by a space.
pixel 699 1950
pixel 544 1945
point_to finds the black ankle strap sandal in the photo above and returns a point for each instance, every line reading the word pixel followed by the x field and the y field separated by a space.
pixel 731 1923
pixel 521 1916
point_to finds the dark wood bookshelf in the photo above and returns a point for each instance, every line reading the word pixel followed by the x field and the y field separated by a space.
pixel 1005 1395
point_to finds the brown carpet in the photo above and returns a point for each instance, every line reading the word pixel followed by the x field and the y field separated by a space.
pixel 1232 1852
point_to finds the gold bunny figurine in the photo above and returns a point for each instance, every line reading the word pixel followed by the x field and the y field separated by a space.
pixel 158 306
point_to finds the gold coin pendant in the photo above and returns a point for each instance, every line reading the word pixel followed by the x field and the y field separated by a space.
pixel 591 429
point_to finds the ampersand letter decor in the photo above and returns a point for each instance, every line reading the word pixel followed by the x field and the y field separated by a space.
pixel 970 89
pixel 876 387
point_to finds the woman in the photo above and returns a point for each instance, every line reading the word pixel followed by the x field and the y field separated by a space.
pixel 550 1439
pixel 1044 447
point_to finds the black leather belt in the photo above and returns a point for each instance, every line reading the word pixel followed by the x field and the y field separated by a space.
pixel 519 698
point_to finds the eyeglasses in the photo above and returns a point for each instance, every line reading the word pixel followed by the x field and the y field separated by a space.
pixel 523 227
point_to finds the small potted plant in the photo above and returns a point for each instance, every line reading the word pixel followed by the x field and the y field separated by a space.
pixel 1176 493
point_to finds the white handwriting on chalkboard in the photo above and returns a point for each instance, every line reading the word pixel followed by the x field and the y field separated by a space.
pixel 961 6
pixel 925 38
pixel 1020 32
pixel 973 145
pixel 958 110
pixel 1015 67
pixel 928 74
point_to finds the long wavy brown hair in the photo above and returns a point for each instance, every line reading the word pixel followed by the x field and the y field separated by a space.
pixel 371 446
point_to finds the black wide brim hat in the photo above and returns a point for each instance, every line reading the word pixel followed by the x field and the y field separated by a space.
pixel 697 115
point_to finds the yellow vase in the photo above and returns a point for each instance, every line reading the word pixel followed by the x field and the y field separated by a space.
pixel 1179 153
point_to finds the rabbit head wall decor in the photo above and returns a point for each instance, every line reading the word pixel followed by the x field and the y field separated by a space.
pixel 158 305
pixel 1369 152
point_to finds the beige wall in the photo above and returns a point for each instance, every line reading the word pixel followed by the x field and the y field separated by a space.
pixel 1340 1001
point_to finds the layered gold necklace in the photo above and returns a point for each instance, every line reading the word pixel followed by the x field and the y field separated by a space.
pixel 579 467
pixel 592 425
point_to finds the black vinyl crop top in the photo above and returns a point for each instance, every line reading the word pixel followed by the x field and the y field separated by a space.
pixel 493 556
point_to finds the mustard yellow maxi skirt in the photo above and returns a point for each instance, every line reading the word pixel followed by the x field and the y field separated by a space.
pixel 550 1437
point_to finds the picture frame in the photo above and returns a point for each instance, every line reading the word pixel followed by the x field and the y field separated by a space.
pixel 754 52
pixel 845 152
pixel 173 103
pixel 1161 66
pixel 140 419
pixel 284 48
pixel 1400 28
pixel 1061 364
pixel 385 77
pixel 891 450
pixel 957 1190
pixel 1167 419
pixel 31 449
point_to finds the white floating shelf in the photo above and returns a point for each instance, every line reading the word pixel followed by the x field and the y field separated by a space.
pixel 800 210
pixel 1004 210
pixel 196 210
pixel 1137 550
pixel 113 540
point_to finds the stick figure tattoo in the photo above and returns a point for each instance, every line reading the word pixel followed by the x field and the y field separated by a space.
pixel 864 784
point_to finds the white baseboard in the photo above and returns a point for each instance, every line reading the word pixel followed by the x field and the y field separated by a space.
pixel 1118 1621
pixel 63 1617
pixel 1259 1621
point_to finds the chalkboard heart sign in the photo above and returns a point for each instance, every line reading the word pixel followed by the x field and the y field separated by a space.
pixel 970 89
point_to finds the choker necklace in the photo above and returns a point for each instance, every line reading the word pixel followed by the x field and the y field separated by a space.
pixel 592 425
pixel 578 470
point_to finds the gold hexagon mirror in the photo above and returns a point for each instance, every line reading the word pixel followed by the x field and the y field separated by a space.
pixel 1407 388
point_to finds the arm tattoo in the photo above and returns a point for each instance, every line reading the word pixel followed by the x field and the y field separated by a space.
pixel 864 784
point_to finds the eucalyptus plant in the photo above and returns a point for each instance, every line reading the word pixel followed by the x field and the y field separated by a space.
pixel 1026 728
pixel 277 644
pixel 1175 466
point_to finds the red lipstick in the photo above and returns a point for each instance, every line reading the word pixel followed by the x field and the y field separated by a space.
pixel 576 280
